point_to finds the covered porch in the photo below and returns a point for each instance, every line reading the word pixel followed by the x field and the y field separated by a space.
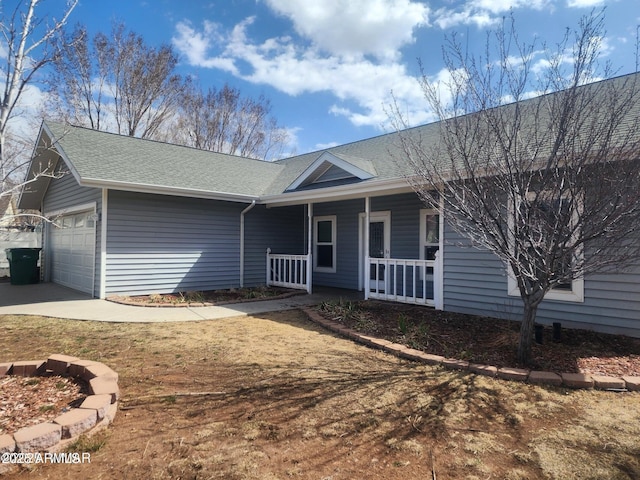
pixel 389 247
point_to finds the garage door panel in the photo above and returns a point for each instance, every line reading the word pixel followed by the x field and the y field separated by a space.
pixel 72 251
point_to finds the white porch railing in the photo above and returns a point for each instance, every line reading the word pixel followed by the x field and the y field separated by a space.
pixel 404 280
pixel 289 271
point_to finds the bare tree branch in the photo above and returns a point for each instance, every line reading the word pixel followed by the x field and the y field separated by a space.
pixel 548 184
pixel 28 44
pixel 114 83
pixel 223 121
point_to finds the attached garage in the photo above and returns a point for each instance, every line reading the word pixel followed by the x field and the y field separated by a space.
pixel 72 250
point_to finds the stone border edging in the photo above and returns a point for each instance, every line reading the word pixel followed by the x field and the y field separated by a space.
pixel 97 410
pixel 570 380
pixel 126 301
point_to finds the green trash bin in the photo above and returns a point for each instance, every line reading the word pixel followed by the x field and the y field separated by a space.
pixel 23 265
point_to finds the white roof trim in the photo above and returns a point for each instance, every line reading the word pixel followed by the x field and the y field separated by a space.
pixel 340 192
pixel 47 153
pixel 312 169
pixel 164 190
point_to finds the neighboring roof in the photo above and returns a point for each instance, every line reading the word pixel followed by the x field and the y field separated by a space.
pixel 6 205
pixel 7 209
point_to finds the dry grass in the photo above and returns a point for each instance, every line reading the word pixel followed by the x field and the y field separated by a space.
pixel 279 398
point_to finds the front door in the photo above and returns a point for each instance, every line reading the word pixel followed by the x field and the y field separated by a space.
pixel 379 247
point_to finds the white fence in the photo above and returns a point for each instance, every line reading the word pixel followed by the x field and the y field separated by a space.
pixel 16 239
pixel 289 271
pixel 404 280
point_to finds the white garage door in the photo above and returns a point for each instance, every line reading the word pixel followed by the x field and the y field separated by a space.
pixel 72 251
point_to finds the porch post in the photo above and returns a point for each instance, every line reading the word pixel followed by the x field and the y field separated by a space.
pixel 439 278
pixel 437 282
pixel 367 269
pixel 103 216
pixel 268 267
pixel 309 246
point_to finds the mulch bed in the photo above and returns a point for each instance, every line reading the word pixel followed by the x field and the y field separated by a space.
pixel 27 401
pixel 487 340
pixel 206 298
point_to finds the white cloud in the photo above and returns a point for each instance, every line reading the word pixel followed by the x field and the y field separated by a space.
pixel 584 3
pixel 195 45
pixel 446 18
pixel 326 146
pixel 484 13
pixel 361 83
pixel 355 27
pixel 501 6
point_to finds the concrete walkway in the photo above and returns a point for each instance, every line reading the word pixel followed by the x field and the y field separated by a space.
pixel 51 300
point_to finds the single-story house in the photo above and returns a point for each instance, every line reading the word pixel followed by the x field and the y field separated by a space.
pixel 134 216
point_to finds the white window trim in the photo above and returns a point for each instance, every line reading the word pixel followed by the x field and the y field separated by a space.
pixel 334 223
pixel 423 230
pixel 377 216
pixel 439 292
pixel 575 295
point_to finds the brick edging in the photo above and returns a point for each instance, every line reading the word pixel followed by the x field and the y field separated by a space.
pixel 97 410
pixel 570 380
pixel 126 301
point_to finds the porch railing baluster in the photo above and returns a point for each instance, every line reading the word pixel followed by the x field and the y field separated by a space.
pixel 395 286
pixel 288 271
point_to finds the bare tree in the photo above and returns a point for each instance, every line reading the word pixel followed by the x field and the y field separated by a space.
pixel 549 184
pixel 224 121
pixel 116 83
pixel 78 81
pixel 27 43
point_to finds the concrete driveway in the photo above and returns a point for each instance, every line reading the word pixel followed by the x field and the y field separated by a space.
pixel 51 300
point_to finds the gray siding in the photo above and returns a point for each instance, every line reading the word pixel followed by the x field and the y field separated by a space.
pixel 476 282
pixel 65 193
pixel 162 244
pixel 405 223
pixel 280 229
pixel 347 213
pixel 333 173
pixel 405 230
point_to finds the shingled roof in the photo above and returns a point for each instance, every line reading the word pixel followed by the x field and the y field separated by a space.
pixel 107 160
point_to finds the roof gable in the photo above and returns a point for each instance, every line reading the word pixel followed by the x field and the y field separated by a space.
pixel 99 159
pixel 329 167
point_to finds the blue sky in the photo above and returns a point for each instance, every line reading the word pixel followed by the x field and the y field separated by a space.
pixel 328 66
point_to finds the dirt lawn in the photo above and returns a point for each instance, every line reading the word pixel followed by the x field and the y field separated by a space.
pixel 277 397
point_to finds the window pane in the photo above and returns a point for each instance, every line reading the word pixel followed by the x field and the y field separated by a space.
pixel 430 253
pixel 376 240
pixel 551 218
pixel 324 231
pixel 325 256
pixel 433 226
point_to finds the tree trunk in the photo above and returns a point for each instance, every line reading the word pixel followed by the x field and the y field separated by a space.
pixel 526 332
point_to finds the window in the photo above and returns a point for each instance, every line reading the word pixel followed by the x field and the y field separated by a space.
pixel 325 244
pixel 80 219
pixel 545 213
pixel 429 234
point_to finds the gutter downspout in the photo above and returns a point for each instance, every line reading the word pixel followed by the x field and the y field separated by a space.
pixel 242 214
